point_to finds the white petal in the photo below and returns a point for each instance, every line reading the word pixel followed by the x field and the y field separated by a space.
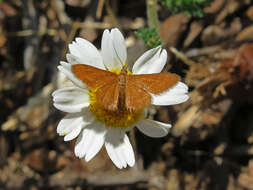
pixel 86 53
pixel 83 141
pixel 97 144
pixel 174 95
pixel 162 61
pixel 72 59
pixel 119 148
pixel 72 124
pixel 71 99
pixel 128 151
pixel 90 141
pixel 69 122
pixel 113 49
pixel 119 45
pixel 112 142
pixel 66 69
pixel 153 128
pixel 73 134
pixel 151 61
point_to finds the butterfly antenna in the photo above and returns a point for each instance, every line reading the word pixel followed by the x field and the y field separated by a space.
pixel 118 56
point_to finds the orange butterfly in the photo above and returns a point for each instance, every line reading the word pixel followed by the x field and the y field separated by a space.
pixel 118 92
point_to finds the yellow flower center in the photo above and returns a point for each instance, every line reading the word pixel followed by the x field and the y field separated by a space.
pixel 114 119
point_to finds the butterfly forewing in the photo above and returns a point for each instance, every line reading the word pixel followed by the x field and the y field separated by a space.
pixel 138 88
pixel 104 83
pixel 93 77
pixel 154 83
pixel 108 96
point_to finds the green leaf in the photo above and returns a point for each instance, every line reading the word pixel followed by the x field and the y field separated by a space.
pixel 150 37
pixel 192 8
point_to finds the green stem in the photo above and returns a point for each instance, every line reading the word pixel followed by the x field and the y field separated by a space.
pixel 153 21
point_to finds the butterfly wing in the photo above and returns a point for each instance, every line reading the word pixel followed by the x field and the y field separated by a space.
pixel 154 83
pixel 108 96
pixel 93 77
pixel 138 88
pixel 136 98
pixel 104 83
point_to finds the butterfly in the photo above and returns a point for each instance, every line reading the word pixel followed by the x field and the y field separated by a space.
pixel 123 91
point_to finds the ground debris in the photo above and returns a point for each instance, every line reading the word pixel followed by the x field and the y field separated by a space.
pixel 210 144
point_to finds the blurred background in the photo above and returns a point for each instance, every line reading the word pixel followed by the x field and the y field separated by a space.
pixel 210 146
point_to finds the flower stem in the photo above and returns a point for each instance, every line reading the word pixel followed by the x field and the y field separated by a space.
pixel 153 21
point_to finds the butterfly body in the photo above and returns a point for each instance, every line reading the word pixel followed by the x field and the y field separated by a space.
pixel 123 91
pixel 122 87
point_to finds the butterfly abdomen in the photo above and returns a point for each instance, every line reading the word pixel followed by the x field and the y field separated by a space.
pixel 122 87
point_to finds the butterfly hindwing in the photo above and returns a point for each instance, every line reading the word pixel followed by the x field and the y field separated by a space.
pixel 136 98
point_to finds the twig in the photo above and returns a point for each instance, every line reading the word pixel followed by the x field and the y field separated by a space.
pixel 53 32
pixel 71 36
pixel 100 8
pixel 30 32
pixel 112 15
pixel 98 25
pixel 130 177
pixel 133 142
pixel 182 56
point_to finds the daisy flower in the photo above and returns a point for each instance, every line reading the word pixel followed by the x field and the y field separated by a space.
pixel 95 126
